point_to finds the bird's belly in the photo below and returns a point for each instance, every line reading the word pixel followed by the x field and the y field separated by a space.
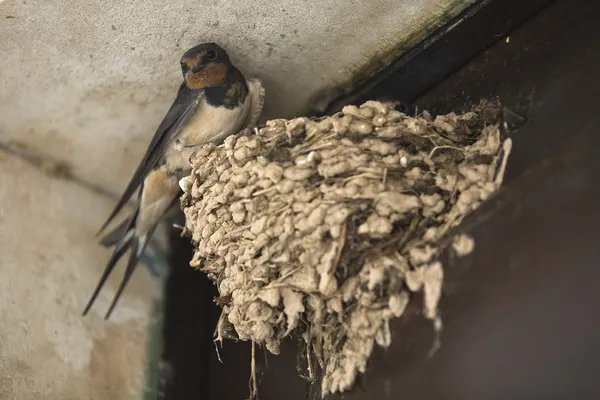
pixel 207 124
pixel 212 124
pixel 159 190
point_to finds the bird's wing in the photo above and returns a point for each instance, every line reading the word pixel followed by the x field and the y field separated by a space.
pixel 257 99
pixel 183 107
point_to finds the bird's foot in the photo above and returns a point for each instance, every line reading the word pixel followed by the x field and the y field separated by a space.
pixel 193 149
pixel 178 145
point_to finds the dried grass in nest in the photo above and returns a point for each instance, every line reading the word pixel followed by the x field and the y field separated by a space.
pixel 323 228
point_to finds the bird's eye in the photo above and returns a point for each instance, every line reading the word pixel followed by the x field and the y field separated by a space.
pixel 211 54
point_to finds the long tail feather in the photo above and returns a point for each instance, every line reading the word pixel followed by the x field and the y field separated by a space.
pixel 124 237
pixel 117 254
pixel 137 246
pixel 124 242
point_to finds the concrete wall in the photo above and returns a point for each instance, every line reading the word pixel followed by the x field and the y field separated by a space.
pixel 86 82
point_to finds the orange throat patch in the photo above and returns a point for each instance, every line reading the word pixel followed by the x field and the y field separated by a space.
pixel 211 75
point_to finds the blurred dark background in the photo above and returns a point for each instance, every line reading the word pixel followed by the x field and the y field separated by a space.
pixel 520 313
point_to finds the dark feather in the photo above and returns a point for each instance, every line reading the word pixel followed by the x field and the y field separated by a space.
pixel 134 258
pixel 113 237
pixel 118 238
pixel 181 110
pixel 122 246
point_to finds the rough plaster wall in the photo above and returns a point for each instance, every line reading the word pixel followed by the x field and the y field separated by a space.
pixel 48 267
pixel 87 82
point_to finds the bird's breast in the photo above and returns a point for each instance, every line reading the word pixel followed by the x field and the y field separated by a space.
pixel 207 124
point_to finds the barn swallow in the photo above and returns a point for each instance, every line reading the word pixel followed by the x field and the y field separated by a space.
pixel 214 101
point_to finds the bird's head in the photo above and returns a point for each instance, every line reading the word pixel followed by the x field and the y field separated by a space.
pixel 205 65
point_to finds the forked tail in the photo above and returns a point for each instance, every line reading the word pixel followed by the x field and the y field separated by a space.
pixel 123 238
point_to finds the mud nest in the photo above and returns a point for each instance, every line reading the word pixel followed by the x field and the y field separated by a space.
pixel 322 228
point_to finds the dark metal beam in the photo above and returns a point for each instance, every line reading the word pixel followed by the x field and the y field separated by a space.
pixel 444 51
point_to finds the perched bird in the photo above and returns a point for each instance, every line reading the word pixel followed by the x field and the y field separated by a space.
pixel 214 101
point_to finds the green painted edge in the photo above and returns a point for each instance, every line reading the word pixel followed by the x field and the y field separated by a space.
pixel 155 342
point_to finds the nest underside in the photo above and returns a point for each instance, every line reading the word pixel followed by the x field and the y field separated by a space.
pixel 322 228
